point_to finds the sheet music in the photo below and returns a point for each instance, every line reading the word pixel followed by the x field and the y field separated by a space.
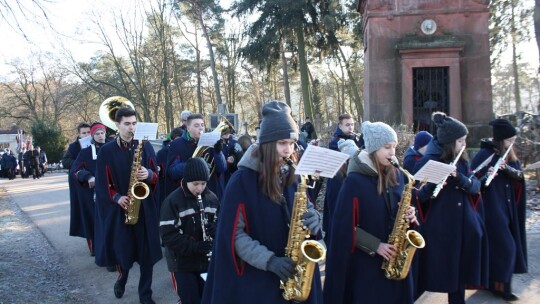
pixel 321 161
pixel 146 131
pixel 85 141
pixel 434 172
pixel 536 165
pixel 209 139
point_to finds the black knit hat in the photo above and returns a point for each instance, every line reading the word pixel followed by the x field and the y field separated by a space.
pixel 277 123
pixel 502 129
pixel 196 169
pixel 448 128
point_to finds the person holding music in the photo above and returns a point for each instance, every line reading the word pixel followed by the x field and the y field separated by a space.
pixel 248 259
pixel 456 252
pixel 417 150
pixel 83 170
pixel 345 130
pixel 118 243
pixel 333 185
pixel 187 228
pixel 183 148
pixel 505 202
pixel 363 219
pixel 166 185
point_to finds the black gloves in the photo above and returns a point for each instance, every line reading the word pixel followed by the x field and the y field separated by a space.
pixel 283 267
pixel 218 147
pixel 204 247
pixel 211 230
pixel 312 220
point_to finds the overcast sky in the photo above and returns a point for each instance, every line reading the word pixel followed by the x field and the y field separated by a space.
pixel 70 18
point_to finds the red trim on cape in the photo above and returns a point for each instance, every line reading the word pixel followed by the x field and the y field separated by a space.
pixel 423 217
pixel 355 221
pixel 239 268
pixel 475 200
pixel 153 181
pixel 110 183
pixel 519 191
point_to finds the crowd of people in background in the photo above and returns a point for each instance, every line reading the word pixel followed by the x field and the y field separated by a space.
pixel 226 210
pixel 26 163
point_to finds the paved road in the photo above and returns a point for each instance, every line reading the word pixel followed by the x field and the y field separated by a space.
pixel 46 201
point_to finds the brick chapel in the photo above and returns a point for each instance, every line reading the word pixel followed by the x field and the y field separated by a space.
pixel 427 55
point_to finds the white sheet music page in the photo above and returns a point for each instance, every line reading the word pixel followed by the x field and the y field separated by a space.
pixel 321 161
pixel 85 141
pixel 208 139
pixel 434 172
pixel 146 131
pixel 536 165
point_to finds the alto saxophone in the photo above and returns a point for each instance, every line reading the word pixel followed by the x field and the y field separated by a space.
pixel 304 253
pixel 404 240
pixel 137 190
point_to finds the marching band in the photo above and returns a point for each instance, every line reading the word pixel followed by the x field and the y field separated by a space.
pixel 232 217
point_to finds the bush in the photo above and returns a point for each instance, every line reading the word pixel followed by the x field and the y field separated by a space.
pixel 49 137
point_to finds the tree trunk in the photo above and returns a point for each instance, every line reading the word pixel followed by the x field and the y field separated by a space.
pixel 284 68
pixel 517 94
pixel 199 71
pixel 354 90
pixel 212 62
pixel 537 27
pixel 304 77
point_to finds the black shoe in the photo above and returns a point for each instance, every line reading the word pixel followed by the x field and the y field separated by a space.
pixel 119 289
pixel 510 297
pixel 150 301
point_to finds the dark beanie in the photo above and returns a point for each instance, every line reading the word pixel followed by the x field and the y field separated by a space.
pixel 196 169
pixel 277 123
pixel 421 139
pixel 502 129
pixel 448 128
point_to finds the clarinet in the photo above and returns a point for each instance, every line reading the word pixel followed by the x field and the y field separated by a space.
pixel 441 184
pixel 204 222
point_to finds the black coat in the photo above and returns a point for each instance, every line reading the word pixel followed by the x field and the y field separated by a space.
pixel 117 242
pixel 452 225
pixel 181 229
pixel 505 200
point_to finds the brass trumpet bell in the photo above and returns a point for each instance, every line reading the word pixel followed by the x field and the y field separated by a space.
pixel 203 152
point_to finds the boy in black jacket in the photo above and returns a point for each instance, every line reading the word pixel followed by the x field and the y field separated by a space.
pixel 187 228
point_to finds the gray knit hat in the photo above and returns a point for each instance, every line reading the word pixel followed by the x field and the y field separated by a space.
pixel 277 123
pixel 376 135
pixel 448 128
pixel 196 169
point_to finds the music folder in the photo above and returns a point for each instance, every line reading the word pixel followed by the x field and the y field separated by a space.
pixel 320 161
pixel 208 139
pixel 434 172
pixel 536 165
pixel 146 131
pixel 85 141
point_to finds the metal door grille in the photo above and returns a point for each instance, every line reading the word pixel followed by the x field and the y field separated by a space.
pixel 430 94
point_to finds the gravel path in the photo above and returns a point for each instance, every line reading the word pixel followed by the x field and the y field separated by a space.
pixel 30 269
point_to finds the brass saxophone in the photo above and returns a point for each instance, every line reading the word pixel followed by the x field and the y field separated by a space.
pixel 305 253
pixel 405 241
pixel 137 190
